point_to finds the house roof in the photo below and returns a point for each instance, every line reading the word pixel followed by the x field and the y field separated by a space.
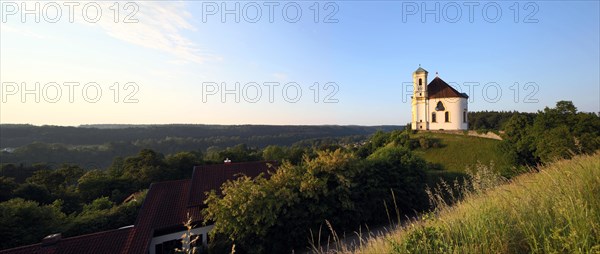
pixel 438 88
pixel 166 206
pixel 112 241
pixel 211 177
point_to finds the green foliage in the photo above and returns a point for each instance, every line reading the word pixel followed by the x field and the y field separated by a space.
pixel 557 143
pixel 58 179
pixel 146 167
pixel 554 211
pixel 7 187
pixel 240 153
pixel 183 163
pixel 34 192
pixel 423 239
pixel 98 204
pixel 484 121
pixel 276 214
pixel 96 146
pixel 24 222
pixel 102 214
pixel 555 133
pixel 274 153
pixel 381 139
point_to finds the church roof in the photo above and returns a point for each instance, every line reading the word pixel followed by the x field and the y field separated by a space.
pixel 438 88
pixel 421 70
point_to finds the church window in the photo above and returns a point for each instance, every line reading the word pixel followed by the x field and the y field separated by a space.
pixel 440 106
pixel 447 116
pixel 465 116
pixel 420 82
pixel 433 117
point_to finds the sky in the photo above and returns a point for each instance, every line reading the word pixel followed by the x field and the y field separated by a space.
pixel 300 63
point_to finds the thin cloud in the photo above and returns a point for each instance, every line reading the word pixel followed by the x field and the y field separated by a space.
pixel 160 26
pixel 280 76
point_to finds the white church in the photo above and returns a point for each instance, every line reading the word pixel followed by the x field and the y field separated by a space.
pixel 437 106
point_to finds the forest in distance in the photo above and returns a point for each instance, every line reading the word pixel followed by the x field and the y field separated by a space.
pixel 95 146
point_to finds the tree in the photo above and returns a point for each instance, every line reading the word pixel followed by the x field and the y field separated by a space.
pixel 240 153
pixel 274 153
pixel 557 143
pixel 146 167
pixel 33 192
pixel 518 140
pixel 95 184
pixel 7 186
pixel 99 204
pixel 25 222
pixel 276 214
pixel 57 179
pixel 183 163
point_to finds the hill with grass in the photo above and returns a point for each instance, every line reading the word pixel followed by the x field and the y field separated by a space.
pixel 555 210
pixel 456 153
pixel 451 156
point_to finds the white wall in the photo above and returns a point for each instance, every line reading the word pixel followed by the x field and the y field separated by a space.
pixel 175 236
pixel 455 106
pixel 420 118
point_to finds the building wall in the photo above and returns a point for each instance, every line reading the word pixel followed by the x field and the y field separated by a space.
pixel 419 102
pixel 178 236
pixel 455 107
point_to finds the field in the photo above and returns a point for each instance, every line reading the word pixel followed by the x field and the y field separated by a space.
pixel 555 210
pixel 458 152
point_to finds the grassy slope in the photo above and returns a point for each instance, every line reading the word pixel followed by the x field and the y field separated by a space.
pixel 554 211
pixel 460 151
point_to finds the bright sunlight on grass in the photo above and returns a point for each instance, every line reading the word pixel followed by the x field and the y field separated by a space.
pixel 555 210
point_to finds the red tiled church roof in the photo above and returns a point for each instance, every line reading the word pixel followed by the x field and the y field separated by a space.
pixel 166 206
pixel 437 88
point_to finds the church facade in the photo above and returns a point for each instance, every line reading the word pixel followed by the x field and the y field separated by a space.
pixel 437 106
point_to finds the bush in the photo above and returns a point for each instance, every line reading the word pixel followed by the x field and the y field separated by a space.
pixel 276 215
pixel 18 217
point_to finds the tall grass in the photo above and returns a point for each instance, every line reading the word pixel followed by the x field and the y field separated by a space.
pixel 556 210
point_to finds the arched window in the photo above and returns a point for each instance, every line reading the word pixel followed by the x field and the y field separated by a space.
pixel 440 106
pixel 447 116
pixel 465 116
pixel 420 82
pixel 433 117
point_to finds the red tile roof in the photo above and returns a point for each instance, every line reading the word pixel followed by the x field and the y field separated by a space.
pixel 211 177
pixel 437 88
pixel 112 241
pixel 166 206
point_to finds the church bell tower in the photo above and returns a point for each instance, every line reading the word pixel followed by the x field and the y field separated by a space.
pixel 419 100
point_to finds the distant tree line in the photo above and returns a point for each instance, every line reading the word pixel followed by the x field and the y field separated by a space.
pixel 493 120
pixel 95 147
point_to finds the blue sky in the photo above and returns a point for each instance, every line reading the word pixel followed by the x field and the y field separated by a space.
pixel 168 62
